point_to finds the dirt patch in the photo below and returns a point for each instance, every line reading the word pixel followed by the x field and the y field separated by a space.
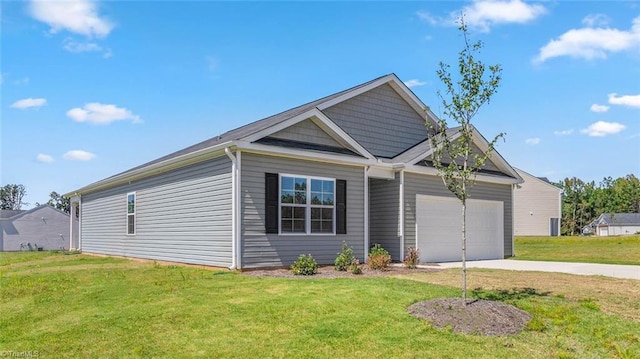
pixel 480 317
pixel 330 272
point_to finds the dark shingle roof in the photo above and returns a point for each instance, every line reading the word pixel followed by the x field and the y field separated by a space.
pixel 8 213
pixel 251 128
pixel 620 218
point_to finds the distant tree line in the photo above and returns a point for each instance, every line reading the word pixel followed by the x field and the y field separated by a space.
pixel 11 198
pixel 582 202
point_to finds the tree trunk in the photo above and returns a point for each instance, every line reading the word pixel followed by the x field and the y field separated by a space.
pixel 464 251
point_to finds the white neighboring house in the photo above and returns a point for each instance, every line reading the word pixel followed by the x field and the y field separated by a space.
pixel 616 224
pixel 537 207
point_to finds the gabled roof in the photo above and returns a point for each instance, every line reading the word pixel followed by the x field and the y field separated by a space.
pixel 8 213
pixel 542 180
pixel 619 219
pixel 255 136
pixel 21 213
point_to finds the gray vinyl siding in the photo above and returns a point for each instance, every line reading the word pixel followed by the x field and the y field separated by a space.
pixel 535 203
pixel 43 227
pixel 384 207
pixel 308 132
pixel 380 120
pixel 183 216
pixel 272 250
pixel 488 165
pixel 431 185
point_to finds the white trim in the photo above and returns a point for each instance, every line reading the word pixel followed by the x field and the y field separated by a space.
pixel 135 216
pixel 308 206
pixel 401 215
pixel 154 169
pixel 480 177
pixel 306 155
pixel 234 205
pixel 366 214
pixel 324 123
pixel 513 219
pixel 520 172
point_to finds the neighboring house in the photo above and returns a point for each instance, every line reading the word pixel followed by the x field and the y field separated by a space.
pixel 537 207
pixel 615 224
pixel 352 167
pixel 40 228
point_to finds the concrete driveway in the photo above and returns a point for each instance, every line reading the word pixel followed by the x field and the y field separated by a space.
pixel 607 270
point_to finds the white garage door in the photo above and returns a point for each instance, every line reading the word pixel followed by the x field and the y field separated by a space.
pixel 439 229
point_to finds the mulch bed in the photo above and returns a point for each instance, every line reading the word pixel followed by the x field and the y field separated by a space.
pixel 480 317
pixel 330 272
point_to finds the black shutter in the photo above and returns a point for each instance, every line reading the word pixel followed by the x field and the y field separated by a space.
pixel 341 207
pixel 271 202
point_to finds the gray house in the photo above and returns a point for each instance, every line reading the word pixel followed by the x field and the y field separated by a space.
pixel 353 167
pixel 537 206
pixel 616 224
pixel 40 228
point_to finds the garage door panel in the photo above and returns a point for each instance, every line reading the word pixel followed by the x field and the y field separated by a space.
pixel 438 227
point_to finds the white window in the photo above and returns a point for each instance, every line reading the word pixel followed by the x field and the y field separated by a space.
pixel 307 205
pixel 131 213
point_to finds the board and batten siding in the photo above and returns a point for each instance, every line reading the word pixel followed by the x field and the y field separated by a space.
pixel 380 120
pixel 308 132
pixel 384 212
pixel 182 216
pixel 415 184
pixel 535 203
pixel 272 250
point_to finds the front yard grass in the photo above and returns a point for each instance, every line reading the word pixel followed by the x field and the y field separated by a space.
pixel 118 308
pixel 608 250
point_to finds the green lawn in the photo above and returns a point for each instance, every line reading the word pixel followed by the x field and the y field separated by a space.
pixel 609 250
pixel 87 306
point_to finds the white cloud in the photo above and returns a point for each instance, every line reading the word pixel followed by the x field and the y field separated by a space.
pixel 486 13
pixel 483 14
pixel 626 100
pixel 77 47
pixel 592 20
pixel 29 102
pixel 532 141
pixel 44 158
pixel 591 43
pixel 414 83
pixel 77 16
pixel 599 108
pixel 78 155
pixel 22 81
pixel 563 132
pixel 602 128
pixel 101 114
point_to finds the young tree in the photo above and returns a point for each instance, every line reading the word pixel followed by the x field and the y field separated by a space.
pixel 453 151
pixel 11 196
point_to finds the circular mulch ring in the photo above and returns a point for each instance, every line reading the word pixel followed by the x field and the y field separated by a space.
pixel 480 317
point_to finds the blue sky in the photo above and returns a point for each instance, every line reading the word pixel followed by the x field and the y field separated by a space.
pixel 90 89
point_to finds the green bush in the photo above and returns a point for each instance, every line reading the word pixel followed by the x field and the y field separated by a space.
pixel 345 258
pixel 354 267
pixel 305 265
pixel 412 258
pixel 379 258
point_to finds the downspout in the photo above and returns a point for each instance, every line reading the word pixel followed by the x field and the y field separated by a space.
pixel 366 213
pixel 71 217
pixel 401 210
pixel 234 205
pixel 238 213
pixel 80 223
pixel 513 228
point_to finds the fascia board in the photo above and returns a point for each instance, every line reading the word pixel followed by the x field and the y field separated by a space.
pixel 480 177
pixel 303 154
pixel 152 169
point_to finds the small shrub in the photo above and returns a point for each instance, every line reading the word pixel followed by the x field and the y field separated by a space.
pixel 345 258
pixel 354 266
pixel 379 258
pixel 305 265
pixel 412 258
